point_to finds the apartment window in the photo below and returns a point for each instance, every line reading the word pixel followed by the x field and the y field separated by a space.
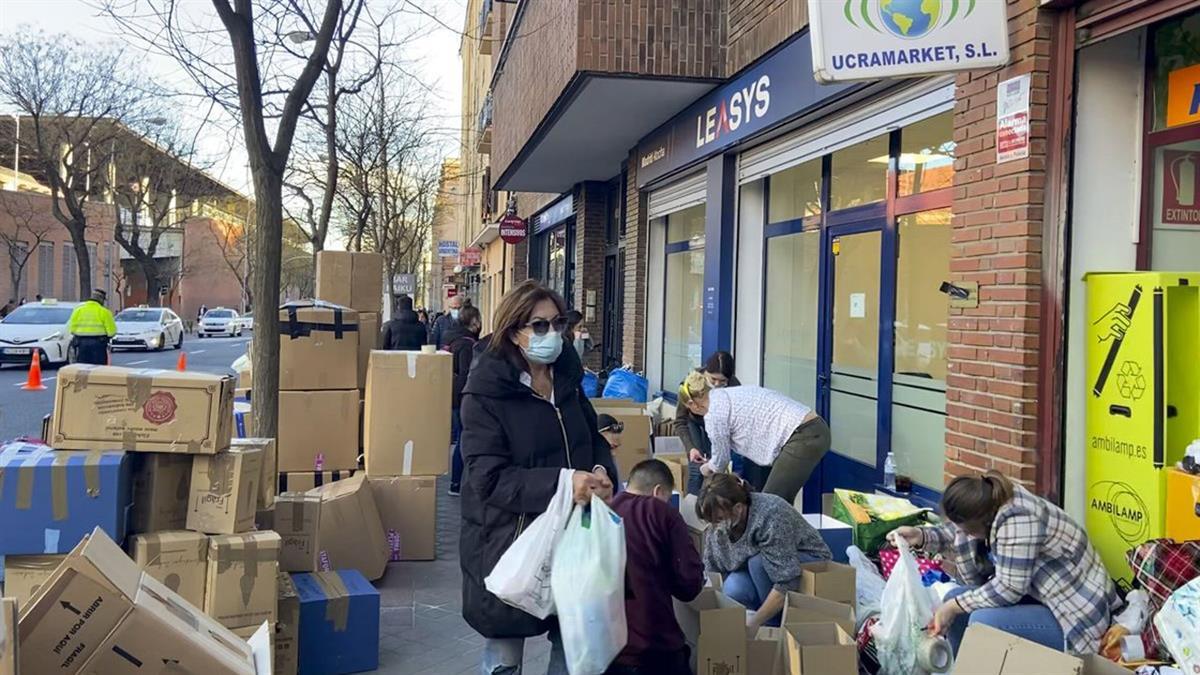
pixel 45 268
pixel 70 273
pixel 108 267
pixel 684 298
pixel 94 263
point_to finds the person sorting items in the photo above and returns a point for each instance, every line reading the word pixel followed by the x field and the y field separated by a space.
pixel 1030 570
pixel 767 428
pixel 689 427
pixel 758 541
pixel 524 418
pixel 91 327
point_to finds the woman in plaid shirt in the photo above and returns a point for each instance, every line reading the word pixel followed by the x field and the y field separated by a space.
pixel 1029 569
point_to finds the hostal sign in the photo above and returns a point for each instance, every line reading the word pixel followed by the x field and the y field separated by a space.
pixel 875 39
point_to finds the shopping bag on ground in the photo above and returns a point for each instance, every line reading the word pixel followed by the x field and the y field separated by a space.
pixel 906 609
pixel 588 578
pixel 521 577
pixel 624 383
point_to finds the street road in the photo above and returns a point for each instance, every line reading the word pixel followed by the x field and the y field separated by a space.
pixel 21 411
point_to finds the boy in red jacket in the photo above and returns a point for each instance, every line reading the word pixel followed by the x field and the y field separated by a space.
pixel 661 563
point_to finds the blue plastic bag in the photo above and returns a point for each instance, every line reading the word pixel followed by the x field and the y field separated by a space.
pixel 628 385
pixel 591 384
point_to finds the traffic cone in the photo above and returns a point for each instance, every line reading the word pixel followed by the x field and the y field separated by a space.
pixel 182 364
pixel 34 383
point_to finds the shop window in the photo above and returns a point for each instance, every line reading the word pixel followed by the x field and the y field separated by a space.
pixel 927 155
pixel 795 192
pixel 1175 240
pixel 556 260
pixel 686 225
pixel 1177 72
pixel 859 174
pixel 791 318
pixel 684 298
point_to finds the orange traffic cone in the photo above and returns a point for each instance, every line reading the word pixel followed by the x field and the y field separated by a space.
pixel 182 364
pixel 34 383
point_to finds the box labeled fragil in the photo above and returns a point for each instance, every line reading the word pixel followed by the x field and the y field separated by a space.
pixel 408 511
pixel 819 649
pixel 318 430
pixel 268 479
pixel 318 347
pixel 287 628
pixel 368 341
pixel 298 520
pixel 24 575
pixel 224 491
pixel 160 492
pixel 829 581
pixel 635 441
pixel 241 584
pixel 8 636
pixel 303 481
pixel 339 622
pixel 351 533
pixel 141 410
pixel 178 559
pixel 51 499
pixel 407 418
pixel 714 626
pixel 351 278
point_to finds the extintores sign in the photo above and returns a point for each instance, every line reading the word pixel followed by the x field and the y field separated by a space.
pixel 513 229
pixel 875 39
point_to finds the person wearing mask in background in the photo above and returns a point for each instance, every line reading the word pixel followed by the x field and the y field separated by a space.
pixel 758 542
pixel 610 429
pixel 91 327
pixel 404 332
pixel 444 322
pixel 689 427
pixel 423 319
pixel 579 337
pixel 661 564
pixel 524 419
pixel 460 342
pixel 1030 570
pixel 781 439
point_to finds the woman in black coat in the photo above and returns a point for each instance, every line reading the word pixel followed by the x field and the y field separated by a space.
pixel 524 419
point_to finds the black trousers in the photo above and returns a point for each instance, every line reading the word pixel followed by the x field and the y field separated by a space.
pixel 92 349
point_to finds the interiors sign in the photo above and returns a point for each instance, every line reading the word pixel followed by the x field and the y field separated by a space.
pixel 875 39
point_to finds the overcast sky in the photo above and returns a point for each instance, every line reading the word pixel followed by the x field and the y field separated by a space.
pixel 435 54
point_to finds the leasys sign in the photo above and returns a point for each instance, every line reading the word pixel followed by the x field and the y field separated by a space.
pixel 875 39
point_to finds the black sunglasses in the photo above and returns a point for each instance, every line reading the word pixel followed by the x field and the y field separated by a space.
pixel 542 326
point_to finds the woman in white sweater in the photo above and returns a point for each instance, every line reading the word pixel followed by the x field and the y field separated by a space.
pixel 763 426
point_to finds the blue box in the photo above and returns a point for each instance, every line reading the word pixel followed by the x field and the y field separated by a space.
pixel 339 623
pixel 838 536
pixel 50 499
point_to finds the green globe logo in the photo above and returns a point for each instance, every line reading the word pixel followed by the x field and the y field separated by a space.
pixel 909 18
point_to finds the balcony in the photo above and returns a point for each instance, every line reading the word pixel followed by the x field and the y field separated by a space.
pixel 483 127
pixel 486 22
pixel 598 76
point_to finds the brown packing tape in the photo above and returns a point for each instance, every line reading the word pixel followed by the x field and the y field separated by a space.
pixel 337 599
pixel 153 545
pixel 32 563
pixel 80 381
pixel 250 575
pixel 25 476
pixel 91 472
pixel 138 386
pixel 129 440
pixel 220 476
pixel 297 516
pixel 58 485
pixel 194 447
pixel 172 603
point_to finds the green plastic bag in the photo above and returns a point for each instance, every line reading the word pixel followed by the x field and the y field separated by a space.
pixel 872 517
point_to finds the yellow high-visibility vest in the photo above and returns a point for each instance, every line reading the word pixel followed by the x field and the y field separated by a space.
pixel 92 319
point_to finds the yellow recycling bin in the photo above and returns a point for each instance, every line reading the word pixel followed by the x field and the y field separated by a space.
pixel 1143 402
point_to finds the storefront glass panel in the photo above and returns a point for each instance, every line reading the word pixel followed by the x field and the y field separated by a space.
pixel 927 155
pixel 790 335
pixel 1175 240
pixel 684 298
pixel 795 192
pixel 556 260
pixel 854 372
pixel 1176 57
pixel 859 174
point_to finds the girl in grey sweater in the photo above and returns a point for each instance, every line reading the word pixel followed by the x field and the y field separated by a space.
pixel 758 542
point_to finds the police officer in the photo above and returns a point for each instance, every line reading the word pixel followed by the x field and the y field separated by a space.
pixel 91 327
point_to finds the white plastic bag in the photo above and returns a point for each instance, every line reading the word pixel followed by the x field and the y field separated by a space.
pixel 588 579
pixel 521 577
pixel 1178 624
pixel 869 585
pixel 905 611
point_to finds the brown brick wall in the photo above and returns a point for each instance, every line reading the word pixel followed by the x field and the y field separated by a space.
pixel 991 392
pixel 591 217
pixel 756 26
pixel 636 246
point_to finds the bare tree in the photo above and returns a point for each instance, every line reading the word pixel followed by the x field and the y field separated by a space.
pixel 76 99
pixel 233 241
pixel 29 231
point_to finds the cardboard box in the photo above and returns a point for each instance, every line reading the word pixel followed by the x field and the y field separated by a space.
pixel 762 652
pixel 1183 505
pixel 298 520
pixel 50 499
pixel 696 527
pixel 819 649
pixel 408 511
pixel 828 580
pixel 241 583
pixel 287 628
pixel 178 559
pixel 990 651
pixel 838 536
pixel 224 491
pixel 24 575
pixel 243 418
pixel 635 441
pixel 160 492
pixel 142 410
pixel 8 636
pixel 406 425
pixel 801 608
pixel 318 430
pixel 679 465
pixel 318 347
pixel 714 626
pixel 368 340
pixel 351 533
pixel 264 519
pixel 303 481
pixel 339 622
pixel 268 480
pixel 351 278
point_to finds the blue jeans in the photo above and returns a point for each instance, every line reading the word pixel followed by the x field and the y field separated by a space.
pixel 506 656
pixel 456 460
pixel 751 586
pixel 1029 620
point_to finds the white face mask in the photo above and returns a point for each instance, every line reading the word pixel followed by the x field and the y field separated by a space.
pixel 544 349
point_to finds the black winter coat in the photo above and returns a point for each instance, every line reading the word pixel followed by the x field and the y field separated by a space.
pixel 461 344
pixel 404 333
pixel 513 446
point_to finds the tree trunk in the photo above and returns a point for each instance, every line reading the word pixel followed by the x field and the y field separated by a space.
pixel 150 273
pixel 84 260
pixel 264 291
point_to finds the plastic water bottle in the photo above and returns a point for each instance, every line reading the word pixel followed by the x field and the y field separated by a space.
pixel 889 472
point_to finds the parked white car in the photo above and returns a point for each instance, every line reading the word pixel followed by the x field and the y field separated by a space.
pixel 148 328
pixel 37 327
pixel 246 321
pixel 220 322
